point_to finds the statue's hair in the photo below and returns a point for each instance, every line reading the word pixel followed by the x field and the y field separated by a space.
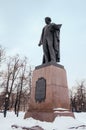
pixel 48 18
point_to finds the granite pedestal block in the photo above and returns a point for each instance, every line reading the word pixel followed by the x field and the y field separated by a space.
pixel 52 100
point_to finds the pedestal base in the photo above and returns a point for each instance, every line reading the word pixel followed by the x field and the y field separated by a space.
pixel 48 116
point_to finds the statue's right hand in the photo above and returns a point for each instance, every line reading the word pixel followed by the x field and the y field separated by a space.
pixel 40 44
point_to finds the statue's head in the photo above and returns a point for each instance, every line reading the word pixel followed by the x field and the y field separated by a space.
pixel 47 20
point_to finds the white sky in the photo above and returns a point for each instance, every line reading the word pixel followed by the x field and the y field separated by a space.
pixel 21 23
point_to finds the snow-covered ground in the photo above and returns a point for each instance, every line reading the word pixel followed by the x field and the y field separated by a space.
pixel 60 123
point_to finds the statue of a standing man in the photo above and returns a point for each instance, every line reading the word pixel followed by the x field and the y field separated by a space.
pixel 50 39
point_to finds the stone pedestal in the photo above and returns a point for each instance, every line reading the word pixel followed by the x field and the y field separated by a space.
pixel 55 93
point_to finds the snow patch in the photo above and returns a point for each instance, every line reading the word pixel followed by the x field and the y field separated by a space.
pixel 60 123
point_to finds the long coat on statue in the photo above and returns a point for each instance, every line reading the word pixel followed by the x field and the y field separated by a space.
pixel 50 39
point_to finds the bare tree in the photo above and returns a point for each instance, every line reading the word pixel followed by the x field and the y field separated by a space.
pixel 78 97
pixel 2 59
pixel 2 54
pixel 13 68
pixel 23 85
pixel 17 79
pixel 10 76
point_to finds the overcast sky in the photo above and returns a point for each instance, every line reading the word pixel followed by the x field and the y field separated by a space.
pixel 21 23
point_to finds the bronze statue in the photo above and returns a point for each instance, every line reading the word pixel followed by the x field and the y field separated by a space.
pixel 50 39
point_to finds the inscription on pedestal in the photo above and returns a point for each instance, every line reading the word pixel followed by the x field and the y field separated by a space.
pixel 40 91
